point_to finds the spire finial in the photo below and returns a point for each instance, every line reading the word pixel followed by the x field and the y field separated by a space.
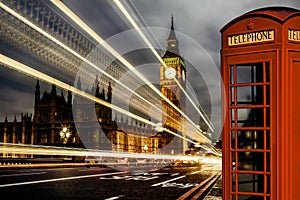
pixel 172 22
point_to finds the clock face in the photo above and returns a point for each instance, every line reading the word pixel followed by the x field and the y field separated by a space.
pixel 170 73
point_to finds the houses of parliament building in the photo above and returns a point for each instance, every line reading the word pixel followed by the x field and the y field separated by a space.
pixel 59 119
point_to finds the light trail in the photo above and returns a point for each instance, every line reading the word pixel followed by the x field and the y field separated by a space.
pixel 201 108
pixel 137 28
pixel 63 151
pixel 201 114
pixel 68 87
pixel 78 55
pixel 167 130
pixel 15 65
pixel 47 35
pixel 94 35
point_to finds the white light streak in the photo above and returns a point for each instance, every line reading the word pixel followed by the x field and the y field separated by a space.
pixel 93 34
pixel 137 28
pixel 63 151
pixel 161 183
pixel 60 179
pixel 34 73
pixel 23 19
pixel 68 87
pixel 15 65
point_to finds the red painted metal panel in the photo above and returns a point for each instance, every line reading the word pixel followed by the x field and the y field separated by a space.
pixel 296 129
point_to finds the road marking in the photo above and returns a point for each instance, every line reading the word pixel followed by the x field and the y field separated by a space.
pixel 22 174
pixel 168 181
pixel 175 174
pixel 127 178
pixel 196 172
pixel 60 179
pixel 117 197
pixel 179 185
pixel 161 183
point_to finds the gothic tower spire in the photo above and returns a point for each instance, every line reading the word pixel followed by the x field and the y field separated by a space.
pixel 172 42
pixel 172 22
pixel 37 92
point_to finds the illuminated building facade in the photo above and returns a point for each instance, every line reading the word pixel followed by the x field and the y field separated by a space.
pixel 17 132
pixel 261 70
pixel 172 119
pixel 52 112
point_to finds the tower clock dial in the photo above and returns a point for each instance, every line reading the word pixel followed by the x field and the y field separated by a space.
pixel 170 73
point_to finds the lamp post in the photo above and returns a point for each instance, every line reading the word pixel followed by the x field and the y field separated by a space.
pixel 65 135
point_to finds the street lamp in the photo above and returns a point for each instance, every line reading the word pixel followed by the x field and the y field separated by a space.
pixel 64 134
pixel 145 148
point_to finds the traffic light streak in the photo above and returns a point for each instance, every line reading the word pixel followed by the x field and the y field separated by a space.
pixel 46 78
pixel 20 67
pixel 101 41
pixel 137 28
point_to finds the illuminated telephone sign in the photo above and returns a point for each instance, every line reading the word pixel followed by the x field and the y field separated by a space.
pixel 250 38
pixel 294 35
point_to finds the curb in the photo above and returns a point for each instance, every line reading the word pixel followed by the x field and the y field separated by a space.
pixel 215 192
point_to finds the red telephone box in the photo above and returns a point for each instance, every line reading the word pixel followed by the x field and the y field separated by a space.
pixel 260 59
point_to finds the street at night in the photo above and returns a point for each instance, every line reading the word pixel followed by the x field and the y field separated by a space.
pixel 169 182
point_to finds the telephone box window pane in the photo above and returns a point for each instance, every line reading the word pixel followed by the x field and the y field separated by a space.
pixel 268 139
pixel 233 160
pixel 231 74
pixel 232 115
pixel 267 65
pixel 251 183
pixel 268 117
pixel 250 117
pixel 232 139
pixel 233 182
pixel 252 161
pixel 267 94
pixel 244 74
pixel 251 139
pixel 232 95
pixel 251 73
pixel 268 162
pixel 268 183
pixel 250 95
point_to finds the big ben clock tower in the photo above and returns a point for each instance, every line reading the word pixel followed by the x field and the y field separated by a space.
pixel 172 74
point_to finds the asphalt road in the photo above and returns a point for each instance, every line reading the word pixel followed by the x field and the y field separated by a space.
pixel 74 183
